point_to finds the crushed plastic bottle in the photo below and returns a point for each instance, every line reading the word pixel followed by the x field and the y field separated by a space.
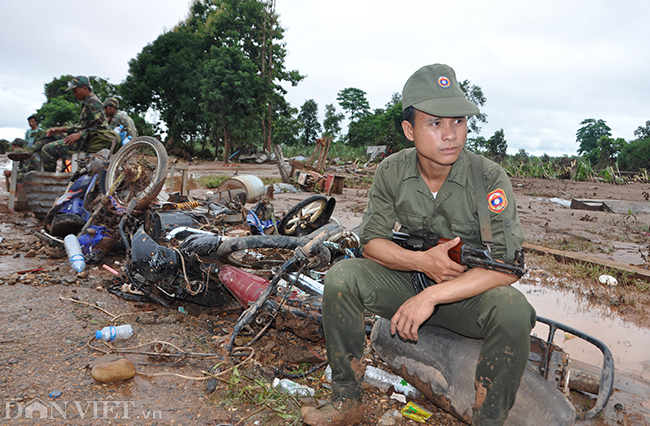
pixel 383 380
pixel 73 250
pixel 120 332
pixel 292 388
pixel 126 140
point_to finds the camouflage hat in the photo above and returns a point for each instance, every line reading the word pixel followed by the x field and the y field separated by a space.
pixel 112 102
pixel 79 81
pixel 434 89
pixel 18 142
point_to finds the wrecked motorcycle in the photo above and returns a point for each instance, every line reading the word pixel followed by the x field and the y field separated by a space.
pixel 101 189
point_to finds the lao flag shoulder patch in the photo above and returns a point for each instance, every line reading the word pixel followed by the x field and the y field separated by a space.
pixel 497 201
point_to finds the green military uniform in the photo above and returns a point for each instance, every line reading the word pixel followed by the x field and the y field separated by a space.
pixel 501 316
pixel 93 127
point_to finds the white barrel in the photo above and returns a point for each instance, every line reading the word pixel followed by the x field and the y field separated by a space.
pixel 253 186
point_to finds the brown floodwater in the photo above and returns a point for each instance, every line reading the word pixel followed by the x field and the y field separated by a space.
pixel 629 344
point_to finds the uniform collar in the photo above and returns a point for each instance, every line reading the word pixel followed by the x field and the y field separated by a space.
pixel 458 173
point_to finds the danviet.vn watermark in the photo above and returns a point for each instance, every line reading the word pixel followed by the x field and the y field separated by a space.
pixel 91 410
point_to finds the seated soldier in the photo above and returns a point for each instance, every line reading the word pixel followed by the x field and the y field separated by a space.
pixel 116 117
pixel 91 134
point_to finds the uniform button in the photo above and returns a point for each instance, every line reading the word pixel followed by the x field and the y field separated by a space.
pixel 507 223
pixel 505 256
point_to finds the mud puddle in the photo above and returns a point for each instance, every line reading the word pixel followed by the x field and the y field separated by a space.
pixel 629 344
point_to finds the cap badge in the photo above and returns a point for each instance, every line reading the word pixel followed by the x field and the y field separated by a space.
pixel 497 201
pixel 444 82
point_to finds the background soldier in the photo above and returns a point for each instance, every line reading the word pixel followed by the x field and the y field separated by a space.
pixel 116 117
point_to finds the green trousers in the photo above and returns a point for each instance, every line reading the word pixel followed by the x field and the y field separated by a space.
pixel 501 317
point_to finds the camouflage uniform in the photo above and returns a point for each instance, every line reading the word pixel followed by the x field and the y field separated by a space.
pixel 24 166
pixel 93 128
pixel 122 118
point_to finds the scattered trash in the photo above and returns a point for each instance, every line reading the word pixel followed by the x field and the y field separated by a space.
pixel 111 270
pixel 73 250
pixel 120 332
pixel 608 280
pixel 55 394
pixel 562 202
pixel 383 380
pixel 292 388
pixel 415 412
pixel 182 310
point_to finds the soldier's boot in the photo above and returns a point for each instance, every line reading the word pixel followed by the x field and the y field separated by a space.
pixel 341 412
pixel 19 155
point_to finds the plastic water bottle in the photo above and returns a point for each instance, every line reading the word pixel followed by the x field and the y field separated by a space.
pixel 118 129
pixel 292 388
pixel 73 250
pixel 126 140
pixel 383 380
pixel 120 332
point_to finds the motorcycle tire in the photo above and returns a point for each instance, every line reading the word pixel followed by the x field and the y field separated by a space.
pixel 143 164
pixel 261 253
pixel 305 216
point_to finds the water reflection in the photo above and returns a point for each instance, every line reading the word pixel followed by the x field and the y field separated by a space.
pixel 630 344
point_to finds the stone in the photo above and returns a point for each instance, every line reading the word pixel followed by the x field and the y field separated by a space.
pixel 116 371
pixel 391 418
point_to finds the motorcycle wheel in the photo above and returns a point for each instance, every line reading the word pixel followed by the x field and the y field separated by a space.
pixel 143 164
pixel 261 253
pixel 300 217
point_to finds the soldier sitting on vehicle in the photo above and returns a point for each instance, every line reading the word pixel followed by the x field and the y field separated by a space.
pixel 91 134
pixel 116 117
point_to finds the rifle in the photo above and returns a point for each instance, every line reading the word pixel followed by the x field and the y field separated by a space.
pixel 463 254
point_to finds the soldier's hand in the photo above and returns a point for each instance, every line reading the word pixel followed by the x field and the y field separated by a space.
pixel 54 131
pixel 71 139
pixel 410 316
pixel 438 266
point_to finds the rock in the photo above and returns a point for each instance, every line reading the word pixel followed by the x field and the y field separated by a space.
pixel 31 253
pixel 391 418
pixel 109 372
pixel 147 318
pixel 168 319
pixel 104 359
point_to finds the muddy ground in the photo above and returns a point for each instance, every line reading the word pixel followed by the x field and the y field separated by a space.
pixel 50 317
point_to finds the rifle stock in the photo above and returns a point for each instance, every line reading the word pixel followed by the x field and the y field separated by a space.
pixel 462 253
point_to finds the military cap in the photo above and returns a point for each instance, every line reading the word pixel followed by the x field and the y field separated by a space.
pixel 112 102
pixel 18 142
pixel 79 81
pixel 434 89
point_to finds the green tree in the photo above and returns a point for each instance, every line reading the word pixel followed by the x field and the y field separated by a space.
pixel 643 132
pixel 309 118
pixel 474 94
pixel 476 144
pixel 231 89
pixel 588 135
pixel 354 102
pixel 167 76
pixel 497 146
pixel 286 127
pixel 252 26
pixel 635 155
pixel 608 150
pixel 332 121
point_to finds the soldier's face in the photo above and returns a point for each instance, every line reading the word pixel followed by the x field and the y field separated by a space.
pixel 437 139
pixel 109 110
pixel 80 93
pixel 32 123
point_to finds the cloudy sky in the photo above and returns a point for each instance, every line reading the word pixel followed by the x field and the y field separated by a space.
pixel 544 66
